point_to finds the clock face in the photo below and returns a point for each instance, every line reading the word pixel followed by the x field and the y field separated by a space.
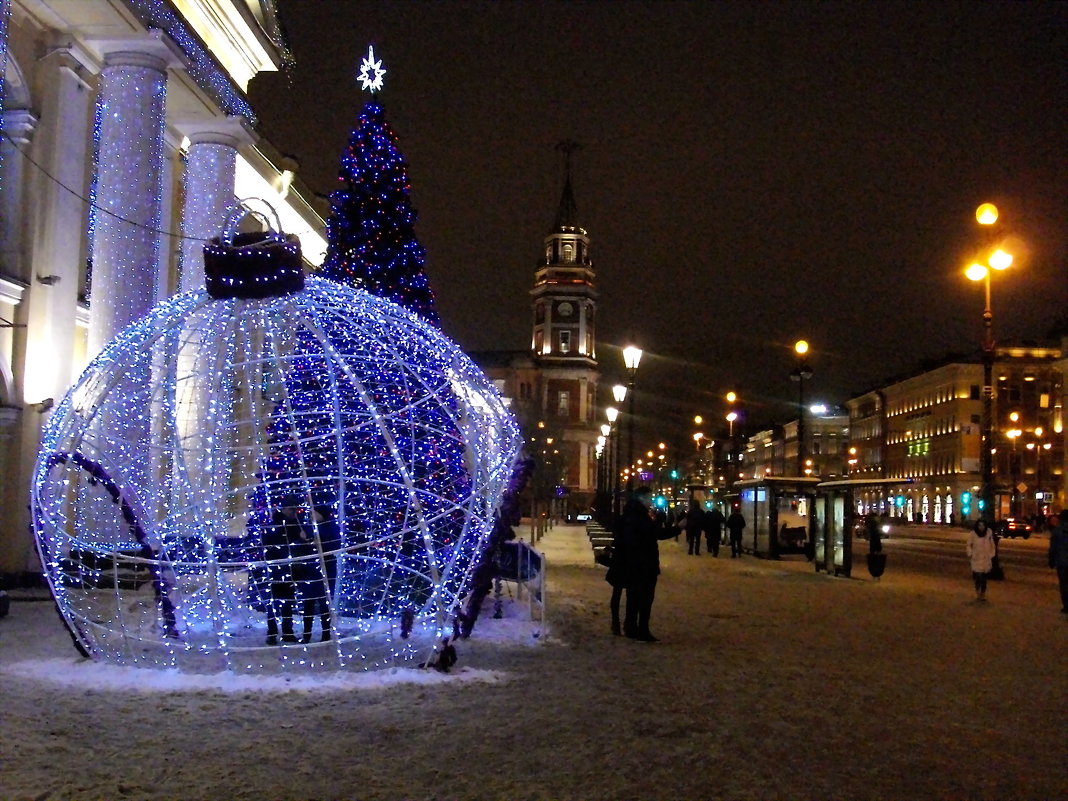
pixel 565 309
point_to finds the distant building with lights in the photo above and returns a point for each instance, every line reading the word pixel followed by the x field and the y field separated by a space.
pixel 127 139
pixel 927 428
pixel 773 451
pixel 552 387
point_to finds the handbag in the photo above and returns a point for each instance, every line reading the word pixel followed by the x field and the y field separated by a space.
pixel 256 264
pixel 603 557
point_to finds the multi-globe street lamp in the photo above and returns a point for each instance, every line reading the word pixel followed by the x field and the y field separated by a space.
pixel 632 356
pixel 801 374
pixel 987 215
pixel 1038 447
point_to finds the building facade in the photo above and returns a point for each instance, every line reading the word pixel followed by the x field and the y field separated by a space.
pixel 128 139
pixel 927 428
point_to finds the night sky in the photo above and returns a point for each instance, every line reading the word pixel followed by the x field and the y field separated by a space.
pixel 750 174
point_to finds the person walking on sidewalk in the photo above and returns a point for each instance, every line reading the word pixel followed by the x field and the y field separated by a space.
pixel 1058 555
pixel 735 525
pixel 640 534
pixel 695 522
pixel 714 521
pixel 981 550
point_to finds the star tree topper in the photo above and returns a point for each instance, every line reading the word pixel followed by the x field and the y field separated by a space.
pixel 371 71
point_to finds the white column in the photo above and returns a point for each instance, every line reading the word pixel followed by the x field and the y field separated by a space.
pixel 126 239
pixel 209 189
pixel 58 236
pixel 18 126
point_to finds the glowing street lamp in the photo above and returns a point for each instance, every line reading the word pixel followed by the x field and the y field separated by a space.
pixel 986 215
pixel 612 414
pixel 632 356
pixel 801 374
pixel 731 417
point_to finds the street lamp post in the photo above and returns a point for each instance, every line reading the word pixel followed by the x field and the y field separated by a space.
pixel 987 214
pixel 1014 471
pixel 1038 447
pixel 801 374
pixel 612 413
pixel 632 355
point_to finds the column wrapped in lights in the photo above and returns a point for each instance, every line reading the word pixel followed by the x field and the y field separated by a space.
pixel 209 191
pixel 317 396
pixel 128 189
pixel 125 226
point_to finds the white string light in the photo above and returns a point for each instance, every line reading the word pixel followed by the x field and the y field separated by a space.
pixel 322 397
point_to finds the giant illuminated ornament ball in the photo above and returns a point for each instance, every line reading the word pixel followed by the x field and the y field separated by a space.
pixel 275 472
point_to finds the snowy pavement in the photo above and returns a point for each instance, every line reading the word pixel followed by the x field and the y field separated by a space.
pixel 770 682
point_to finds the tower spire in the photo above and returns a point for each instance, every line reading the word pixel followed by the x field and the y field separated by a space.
pixel 567 213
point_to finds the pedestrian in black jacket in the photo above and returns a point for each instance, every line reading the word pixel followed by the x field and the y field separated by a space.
pixel 640 534
pixel 695 522
pixel 283 533
pixel 714 522
pixel 735 525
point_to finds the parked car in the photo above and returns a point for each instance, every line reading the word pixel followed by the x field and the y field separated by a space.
pixel 1014 527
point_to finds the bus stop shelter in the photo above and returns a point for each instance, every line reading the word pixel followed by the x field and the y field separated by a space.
pixel 778 514
pixel 835 520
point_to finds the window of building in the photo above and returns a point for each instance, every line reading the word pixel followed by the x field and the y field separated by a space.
pixel 563 403
pixel 565 341
pixel 975 392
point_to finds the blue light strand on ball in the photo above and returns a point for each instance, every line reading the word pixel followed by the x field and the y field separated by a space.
pixel 412 460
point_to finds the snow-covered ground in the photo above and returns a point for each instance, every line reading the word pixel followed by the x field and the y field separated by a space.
pixel 770 682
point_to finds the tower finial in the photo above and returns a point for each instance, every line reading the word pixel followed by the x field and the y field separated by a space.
pixel 566 214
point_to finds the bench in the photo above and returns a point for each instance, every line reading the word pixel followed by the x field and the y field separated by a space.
pixel 599 536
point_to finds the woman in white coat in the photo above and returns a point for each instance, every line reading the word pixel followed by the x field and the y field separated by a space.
pixel 981 551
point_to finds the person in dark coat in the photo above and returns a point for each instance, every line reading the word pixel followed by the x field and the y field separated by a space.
pixel 735 525
pixel 714 521
pixel 617 577
pixel 313 553
pixel 695 523
pixel 1058 555
pixel 278 538
pixel 640 533
pixel 874 530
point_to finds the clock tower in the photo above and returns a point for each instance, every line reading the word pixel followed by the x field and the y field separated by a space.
pixel 552 387
pixel 564 296
pixel 563 343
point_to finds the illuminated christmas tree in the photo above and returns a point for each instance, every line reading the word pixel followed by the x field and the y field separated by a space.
pixel 371 242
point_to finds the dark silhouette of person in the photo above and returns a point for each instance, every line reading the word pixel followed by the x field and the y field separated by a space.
pixel 695 523
pixel 874 530
pixel 640 533
pixel 714 521
pixel 313 554
pixel 1058 555
pixel 617 577
pixel 735 525
pixel 278 538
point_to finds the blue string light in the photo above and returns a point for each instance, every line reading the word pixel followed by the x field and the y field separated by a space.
pixel 326 397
